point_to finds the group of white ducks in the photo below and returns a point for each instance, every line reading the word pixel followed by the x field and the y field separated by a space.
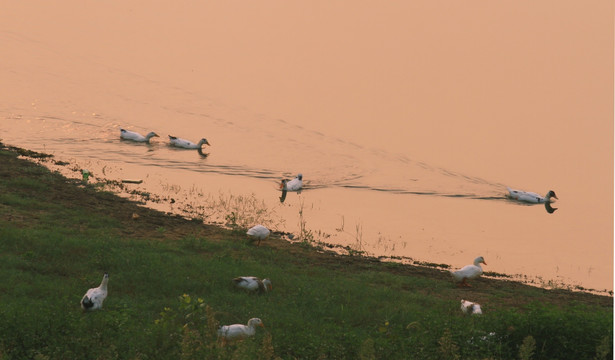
pixel 94 297
pixel 173 140
pixel 294 185
pixel 473 271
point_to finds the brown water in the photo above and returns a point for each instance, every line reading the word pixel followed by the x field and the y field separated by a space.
pixel 407 119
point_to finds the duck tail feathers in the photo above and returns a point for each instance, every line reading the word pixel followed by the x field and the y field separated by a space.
pixel 86 302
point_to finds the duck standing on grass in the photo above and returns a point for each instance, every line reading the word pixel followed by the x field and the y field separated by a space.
pixel 469 272
pixel 471 308
pixel 235 332
pixel 253 284
pixel 94 297
pixel 135 136
pixel 258 232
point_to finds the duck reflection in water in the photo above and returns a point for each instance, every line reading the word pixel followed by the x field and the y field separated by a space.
pixel 283 196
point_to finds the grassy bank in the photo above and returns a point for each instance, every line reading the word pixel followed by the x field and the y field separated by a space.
pixel 170 287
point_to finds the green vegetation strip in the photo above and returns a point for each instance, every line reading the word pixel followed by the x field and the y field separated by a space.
pixel 170 288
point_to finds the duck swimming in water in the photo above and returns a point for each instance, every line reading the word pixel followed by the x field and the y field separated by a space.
pixel 135 136
pixel 187 144
pixel 531 197
pixel 295 184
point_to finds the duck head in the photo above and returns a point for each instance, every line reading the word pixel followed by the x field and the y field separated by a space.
pixel 550 194
pixel 479 260
pixel 151 135
pixel 105 280
pixel 255 322
pixel 267 284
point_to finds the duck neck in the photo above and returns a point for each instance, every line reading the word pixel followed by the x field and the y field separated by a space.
pixel 103 284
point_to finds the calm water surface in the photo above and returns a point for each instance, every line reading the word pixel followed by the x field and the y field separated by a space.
pixel 407 121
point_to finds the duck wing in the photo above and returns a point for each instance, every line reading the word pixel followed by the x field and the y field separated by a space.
pixel 294 185
pixel 182 142
pixel 131 135
pixel 247 282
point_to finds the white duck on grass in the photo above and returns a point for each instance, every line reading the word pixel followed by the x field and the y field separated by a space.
pixel 94 297
pixel 469 272
pixel 531 197
pixel 229 333
pixel 253 284
pixel 471 308
pixel 258 232
pixel 135 136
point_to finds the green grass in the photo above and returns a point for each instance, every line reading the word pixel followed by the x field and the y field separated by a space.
pixel 51 253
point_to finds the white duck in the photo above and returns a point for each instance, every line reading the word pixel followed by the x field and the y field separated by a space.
pixel 469 271
pixel 135 136
pixel 531 197
pixel 94 297
pixel 239 331
pixel 187 144
pixel 471 308
pixel 295 184
pixel 253 284
pixel 258 232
